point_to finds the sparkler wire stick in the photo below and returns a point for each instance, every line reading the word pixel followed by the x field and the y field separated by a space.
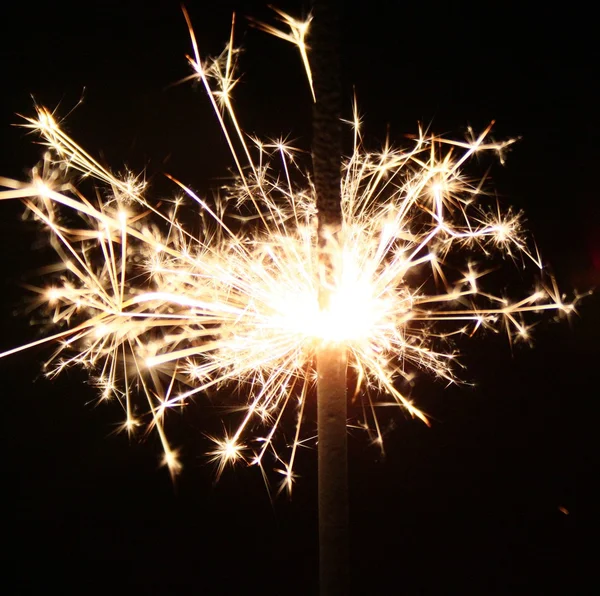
pixel 331 356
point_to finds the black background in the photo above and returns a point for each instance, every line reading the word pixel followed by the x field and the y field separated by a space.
pixel 469 506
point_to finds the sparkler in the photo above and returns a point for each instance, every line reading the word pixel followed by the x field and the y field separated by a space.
pixel 332 364
pixel 160 314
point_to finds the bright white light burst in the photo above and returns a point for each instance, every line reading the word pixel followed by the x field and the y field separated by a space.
pixel 160 313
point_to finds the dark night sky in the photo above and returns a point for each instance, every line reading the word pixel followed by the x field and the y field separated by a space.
pixel 470 506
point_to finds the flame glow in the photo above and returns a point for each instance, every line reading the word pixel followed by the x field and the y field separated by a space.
pixel 157 312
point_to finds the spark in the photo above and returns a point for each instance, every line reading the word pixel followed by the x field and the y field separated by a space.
pixel 298 31
pixel 159 314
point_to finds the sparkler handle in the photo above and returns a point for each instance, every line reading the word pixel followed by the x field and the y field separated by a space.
pixel 333 471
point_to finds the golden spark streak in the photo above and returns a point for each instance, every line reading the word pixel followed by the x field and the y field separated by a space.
pixel 170 314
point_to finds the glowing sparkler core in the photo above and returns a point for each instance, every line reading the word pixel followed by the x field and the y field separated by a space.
pixel 169 314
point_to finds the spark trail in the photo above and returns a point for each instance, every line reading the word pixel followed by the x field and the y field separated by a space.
pixel 160 314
